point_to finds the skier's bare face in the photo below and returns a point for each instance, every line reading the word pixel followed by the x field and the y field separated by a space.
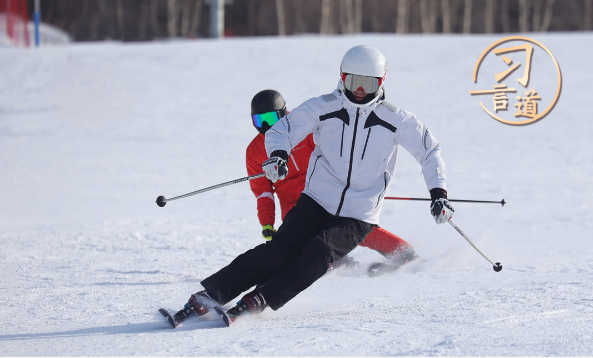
pixel 359 94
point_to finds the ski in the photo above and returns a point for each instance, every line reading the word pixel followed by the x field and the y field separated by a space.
pixel 189 311
pixel 225 317
pixel 229 316
pixel 378 268
pixel 176 319
pixel 169 317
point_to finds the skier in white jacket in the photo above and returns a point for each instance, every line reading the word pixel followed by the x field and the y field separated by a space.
pixel 357 136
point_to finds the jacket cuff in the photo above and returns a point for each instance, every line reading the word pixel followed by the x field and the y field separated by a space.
pixel 280 153
pixel 438 193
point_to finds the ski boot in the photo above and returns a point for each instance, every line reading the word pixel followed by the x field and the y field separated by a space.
pixel 396 260
pixel 345 261
pixel 199 304
pixel 403 256
pixel 252 303
pixel 202 303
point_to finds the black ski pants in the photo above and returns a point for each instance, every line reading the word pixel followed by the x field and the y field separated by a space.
pixel 308 240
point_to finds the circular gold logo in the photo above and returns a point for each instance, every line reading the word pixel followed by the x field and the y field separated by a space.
pixel 527 106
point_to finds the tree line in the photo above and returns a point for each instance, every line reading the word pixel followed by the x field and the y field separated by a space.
pixel 145 20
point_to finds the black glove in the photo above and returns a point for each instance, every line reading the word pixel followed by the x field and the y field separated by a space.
pixel 441 210
pixel 268 231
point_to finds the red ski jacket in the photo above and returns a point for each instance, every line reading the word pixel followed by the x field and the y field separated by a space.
pixel 287 190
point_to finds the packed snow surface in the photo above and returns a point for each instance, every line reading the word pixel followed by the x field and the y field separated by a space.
pixel 91 134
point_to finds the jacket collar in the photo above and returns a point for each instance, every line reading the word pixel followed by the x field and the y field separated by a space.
pixel 352 107
pixel 340 90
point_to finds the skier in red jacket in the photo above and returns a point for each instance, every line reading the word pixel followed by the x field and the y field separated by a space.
pixel 266 108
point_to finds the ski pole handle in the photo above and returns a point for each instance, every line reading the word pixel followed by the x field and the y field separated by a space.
pixel 502 202
pixel 162 201
pixel 496 266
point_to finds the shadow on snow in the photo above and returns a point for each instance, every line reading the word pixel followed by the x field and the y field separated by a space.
pixel 150 327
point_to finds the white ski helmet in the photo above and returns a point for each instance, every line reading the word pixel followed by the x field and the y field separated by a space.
pixel 367 61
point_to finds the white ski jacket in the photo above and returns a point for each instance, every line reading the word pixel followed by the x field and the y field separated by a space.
pixel 355 153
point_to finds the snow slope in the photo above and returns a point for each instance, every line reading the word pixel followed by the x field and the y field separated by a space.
pixel 91 134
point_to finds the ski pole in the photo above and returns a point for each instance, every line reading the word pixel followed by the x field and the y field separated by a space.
pixel 162 201
pixel 496 266
pixel 502 202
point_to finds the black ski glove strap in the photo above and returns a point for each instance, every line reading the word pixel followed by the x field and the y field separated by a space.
pixel 280 153
pixel 437 193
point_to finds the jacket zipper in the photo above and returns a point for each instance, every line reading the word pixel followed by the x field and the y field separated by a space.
pixel 384 189
pixel 342 144
pixel 351 161
pixel 365 144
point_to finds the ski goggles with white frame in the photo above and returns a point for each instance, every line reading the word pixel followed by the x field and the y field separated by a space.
pixel 367 83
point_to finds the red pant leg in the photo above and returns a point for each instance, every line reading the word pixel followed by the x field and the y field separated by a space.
pixel 385 242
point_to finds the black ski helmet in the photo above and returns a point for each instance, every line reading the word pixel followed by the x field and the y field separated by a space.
pixel 267 101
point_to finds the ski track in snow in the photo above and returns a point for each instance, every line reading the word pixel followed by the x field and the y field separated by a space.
pixel 91 134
